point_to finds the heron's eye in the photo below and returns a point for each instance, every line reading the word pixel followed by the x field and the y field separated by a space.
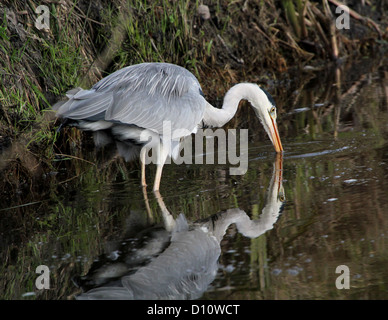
pixel 272 111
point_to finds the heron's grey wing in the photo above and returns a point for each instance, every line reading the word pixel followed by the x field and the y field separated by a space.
pixel 84 105
pixel 150 93
pixel 144 95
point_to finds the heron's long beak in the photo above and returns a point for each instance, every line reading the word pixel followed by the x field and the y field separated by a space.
pixel 275 137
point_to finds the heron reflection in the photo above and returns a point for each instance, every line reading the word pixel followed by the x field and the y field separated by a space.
pixel 180 259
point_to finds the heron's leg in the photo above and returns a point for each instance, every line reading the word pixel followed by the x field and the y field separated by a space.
pixel 142 162
pixel 158 176
pixel 161 159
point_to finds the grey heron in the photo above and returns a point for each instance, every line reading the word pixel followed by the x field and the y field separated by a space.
pixel 139 98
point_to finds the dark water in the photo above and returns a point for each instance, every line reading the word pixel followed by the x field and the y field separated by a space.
pixel 277 232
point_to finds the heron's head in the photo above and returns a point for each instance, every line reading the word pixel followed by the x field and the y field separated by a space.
pixel 265 109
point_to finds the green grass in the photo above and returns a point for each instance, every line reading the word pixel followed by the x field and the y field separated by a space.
pixel 37 72
pixel 36 69
pixel 156 31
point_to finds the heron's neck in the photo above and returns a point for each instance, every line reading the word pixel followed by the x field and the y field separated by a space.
pixel 218 117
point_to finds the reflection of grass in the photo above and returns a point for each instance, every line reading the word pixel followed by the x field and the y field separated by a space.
pixel 62 234
pixel 73 235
